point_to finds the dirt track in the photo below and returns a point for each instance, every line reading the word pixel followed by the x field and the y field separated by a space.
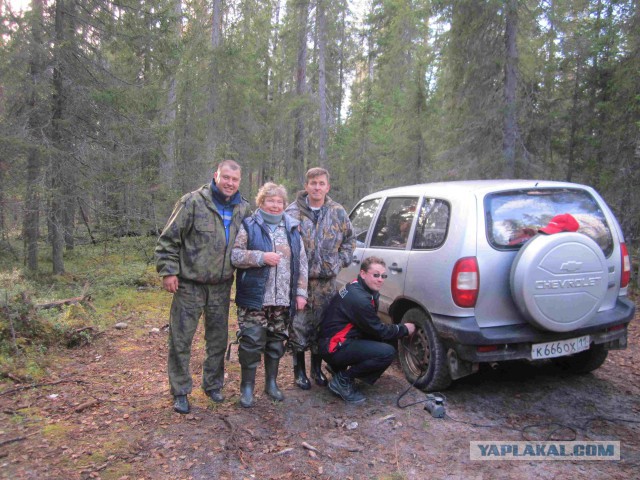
pixel 111 417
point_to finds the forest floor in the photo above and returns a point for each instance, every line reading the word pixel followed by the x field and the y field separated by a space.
pixel 104 411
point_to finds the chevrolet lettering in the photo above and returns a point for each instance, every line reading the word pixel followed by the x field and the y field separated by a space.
pixel 569 283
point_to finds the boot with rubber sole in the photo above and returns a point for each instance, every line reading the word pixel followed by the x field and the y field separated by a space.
pixel 299 371
pixel 247 384
pixel 270 376
pixel 345 388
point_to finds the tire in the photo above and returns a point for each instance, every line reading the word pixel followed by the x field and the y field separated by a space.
pixel 583 362
pixel 423 357
pixel 559 281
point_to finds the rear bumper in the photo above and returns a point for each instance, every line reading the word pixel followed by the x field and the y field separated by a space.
pixel 514 341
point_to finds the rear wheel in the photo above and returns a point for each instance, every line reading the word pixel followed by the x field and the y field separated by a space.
pixel 423 357
pixel 583 362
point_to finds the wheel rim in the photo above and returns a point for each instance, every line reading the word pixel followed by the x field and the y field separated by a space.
pixel 418 353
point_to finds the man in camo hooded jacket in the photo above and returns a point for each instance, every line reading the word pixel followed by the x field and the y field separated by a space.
pixel 329 242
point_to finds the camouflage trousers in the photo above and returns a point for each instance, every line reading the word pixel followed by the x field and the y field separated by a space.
pixel 273 319
pixel 303 332
pixel 261 331
pixel 191 301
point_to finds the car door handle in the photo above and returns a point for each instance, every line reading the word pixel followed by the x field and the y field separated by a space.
pixel 355 260
pixel 395 269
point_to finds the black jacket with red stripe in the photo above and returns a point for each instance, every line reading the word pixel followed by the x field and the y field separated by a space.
pixel 353 314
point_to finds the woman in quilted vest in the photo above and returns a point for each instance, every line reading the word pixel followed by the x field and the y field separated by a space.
pixel 271 285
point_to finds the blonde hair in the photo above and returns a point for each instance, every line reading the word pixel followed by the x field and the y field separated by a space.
pixel 270 189
pixel 367 262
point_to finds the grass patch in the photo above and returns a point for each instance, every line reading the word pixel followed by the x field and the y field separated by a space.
pixel 118 471
pixel 120 278
pixel 56 431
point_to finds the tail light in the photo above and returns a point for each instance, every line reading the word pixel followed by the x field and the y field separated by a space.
pixel 626 266
pixel 465 282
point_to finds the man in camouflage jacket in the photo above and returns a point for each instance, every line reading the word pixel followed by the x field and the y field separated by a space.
pixel 193 256
pixel 329 242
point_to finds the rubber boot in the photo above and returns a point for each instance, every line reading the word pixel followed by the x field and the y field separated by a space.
pixel 316 370
pixel 299 371
pixel 247 384
pixel 270 375
pixel 252 341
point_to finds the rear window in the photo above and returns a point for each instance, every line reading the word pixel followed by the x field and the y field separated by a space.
pixel 514 217
pixel 433 223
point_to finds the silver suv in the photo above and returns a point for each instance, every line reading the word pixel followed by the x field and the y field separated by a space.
pixel 467 265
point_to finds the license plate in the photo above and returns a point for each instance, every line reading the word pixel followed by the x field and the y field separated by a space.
pixel 559 348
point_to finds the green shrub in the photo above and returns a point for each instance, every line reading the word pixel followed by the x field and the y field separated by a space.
pixel 114 273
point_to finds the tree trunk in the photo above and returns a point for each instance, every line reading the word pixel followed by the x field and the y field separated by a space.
pixel 341 63
pixel 322 82
pixel 3 167
pixel 168 162
pixel 56 205
pixel 214 93
pixel 36 121
pixel 574 121
pixel 31 220
pixel 301 78
pixel 69 219
pixel 510 134
pixel 3 222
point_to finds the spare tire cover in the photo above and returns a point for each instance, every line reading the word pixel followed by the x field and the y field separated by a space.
pixel 559 281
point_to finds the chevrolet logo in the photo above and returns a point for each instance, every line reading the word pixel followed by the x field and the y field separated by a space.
pixel 571 266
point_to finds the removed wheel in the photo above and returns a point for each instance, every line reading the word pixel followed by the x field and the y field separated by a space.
pixel 422 355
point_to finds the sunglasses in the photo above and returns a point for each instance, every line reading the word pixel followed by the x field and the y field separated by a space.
pixel 378 275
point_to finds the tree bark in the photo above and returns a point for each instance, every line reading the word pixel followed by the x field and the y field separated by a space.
pixel 322 82
pixel 341 66
pixel 168 162
pixel 31 219
pixel 510 133
pixel 56 205
pixel 3 167
pixel 301 78
pixel 574 123
pixel 213 100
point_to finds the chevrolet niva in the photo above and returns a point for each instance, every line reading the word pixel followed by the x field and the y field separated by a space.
pixel 469 265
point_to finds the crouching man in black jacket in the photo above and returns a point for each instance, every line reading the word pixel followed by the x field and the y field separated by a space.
pixel 352 337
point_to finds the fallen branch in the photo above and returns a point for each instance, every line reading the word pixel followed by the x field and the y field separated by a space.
pixel 82 329
pixel 62 303
pixel 87 404
pixel 388 417
pixel 84 297
pixel 15 378
pixel 12 440
pixel 282 452
pixel 38 385
pixel 16 439
pixel 14 411
pixel 310 447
